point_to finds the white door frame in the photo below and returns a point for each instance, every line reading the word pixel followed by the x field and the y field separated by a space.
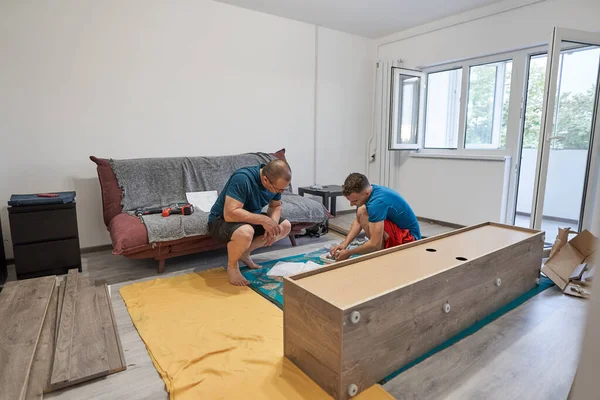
pixel 548 107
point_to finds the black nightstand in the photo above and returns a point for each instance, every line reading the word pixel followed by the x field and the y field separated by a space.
pixel 45 239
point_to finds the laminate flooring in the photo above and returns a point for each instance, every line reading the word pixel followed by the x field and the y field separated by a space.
pixel 531 352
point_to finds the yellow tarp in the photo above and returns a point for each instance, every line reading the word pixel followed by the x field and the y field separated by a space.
pixel 211 340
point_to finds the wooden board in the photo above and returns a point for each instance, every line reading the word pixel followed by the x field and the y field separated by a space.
pixel 88 356
pixel 62 353
pixel 61 297
pixel 41 368
pixel 116 358
pixel 23 306
pixel 387 272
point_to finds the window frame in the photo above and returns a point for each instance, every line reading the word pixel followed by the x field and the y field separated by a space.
pixel 396 110
pixel 499 85
pixel 518 86
pixel 424 130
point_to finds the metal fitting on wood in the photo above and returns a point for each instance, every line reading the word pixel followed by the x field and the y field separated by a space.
pixel 352 390
pixel 355 317
pixel 498 282
pixel 446 308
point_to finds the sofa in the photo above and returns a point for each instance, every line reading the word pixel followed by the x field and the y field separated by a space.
pixel 136 183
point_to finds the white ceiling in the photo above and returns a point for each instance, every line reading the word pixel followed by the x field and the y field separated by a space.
pixel 369 18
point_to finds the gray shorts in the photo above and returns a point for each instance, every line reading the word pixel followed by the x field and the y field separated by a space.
pixel 222 231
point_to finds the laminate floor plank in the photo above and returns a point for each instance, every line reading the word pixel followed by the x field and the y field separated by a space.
pixel 23 306
pixel 89 358
pixel 39 377
pixel 61 297
pixel 62 353
pixel 116 359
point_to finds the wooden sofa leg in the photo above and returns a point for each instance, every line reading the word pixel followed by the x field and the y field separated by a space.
pixel 292 239
pixel 161 266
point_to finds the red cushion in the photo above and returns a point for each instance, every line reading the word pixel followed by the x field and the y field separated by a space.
pixel 127 232
pixel 111 192
pixel 280 154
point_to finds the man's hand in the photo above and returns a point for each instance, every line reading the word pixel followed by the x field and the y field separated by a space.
pixel 337 248
pixel 342 255
pixel 272 230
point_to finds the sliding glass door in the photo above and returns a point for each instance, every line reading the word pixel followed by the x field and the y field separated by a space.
pixel 558 152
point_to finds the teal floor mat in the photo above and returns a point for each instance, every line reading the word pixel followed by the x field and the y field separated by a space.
pixel 272 290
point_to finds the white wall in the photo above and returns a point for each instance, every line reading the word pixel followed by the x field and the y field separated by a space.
pixel 451 190
pixel 154 79
pixel 517 28
pixel 345 85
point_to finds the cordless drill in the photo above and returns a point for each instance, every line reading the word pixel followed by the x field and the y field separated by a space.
pixel 178 208
pixel 147 211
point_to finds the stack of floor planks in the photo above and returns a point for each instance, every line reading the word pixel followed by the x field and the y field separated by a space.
pixel 53 336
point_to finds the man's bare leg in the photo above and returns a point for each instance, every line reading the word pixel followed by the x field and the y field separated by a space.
pixel 363 219
pixel 239 243
pixel 259 242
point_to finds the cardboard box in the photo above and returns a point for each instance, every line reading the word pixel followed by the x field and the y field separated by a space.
pixel 563 263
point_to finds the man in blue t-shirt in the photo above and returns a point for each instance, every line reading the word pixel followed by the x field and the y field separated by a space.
pixel 383 214
pixel 236 217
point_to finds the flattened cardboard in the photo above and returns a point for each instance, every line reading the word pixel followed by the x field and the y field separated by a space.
pixel 581 249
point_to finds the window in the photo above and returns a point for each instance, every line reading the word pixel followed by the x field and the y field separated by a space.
pixel 443 109
pixel 487 108
pixel 406 106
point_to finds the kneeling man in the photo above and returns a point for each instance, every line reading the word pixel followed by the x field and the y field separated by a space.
pixel 382 213
pixel 236 216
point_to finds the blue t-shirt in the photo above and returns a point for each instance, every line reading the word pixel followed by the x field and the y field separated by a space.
pixel 244 186
pixel 384 203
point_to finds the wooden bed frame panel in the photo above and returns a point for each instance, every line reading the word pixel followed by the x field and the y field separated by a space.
pixel 401 325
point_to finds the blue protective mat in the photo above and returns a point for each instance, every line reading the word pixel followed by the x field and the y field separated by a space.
pixel 272 290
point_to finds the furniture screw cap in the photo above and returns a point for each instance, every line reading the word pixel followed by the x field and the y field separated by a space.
pixel 498 282
pixel 446 308
pixel 352 389
pixel 354 317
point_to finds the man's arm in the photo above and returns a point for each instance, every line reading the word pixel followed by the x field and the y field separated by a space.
pixel 234 212
pixel 352 234
pixel 274 210
pixel 375 242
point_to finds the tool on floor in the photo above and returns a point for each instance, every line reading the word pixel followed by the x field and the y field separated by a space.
pixel 178 208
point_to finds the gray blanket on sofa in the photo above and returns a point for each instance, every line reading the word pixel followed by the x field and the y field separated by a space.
pixel 159 182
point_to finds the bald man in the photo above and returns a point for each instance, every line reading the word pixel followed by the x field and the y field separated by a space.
pixel 236 217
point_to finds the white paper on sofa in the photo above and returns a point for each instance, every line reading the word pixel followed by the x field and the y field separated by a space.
pixel 283 268
pixel 202 200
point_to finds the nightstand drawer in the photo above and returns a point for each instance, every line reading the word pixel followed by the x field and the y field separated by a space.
pixel 47 255
pixel 39 226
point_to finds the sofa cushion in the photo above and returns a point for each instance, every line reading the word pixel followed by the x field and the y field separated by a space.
pixel 110 190
pixel 127 232
pixel 299 209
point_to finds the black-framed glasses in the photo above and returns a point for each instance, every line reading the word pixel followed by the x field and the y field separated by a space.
pixel 275 187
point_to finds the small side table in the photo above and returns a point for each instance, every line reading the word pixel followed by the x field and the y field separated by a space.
pixel 328 194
